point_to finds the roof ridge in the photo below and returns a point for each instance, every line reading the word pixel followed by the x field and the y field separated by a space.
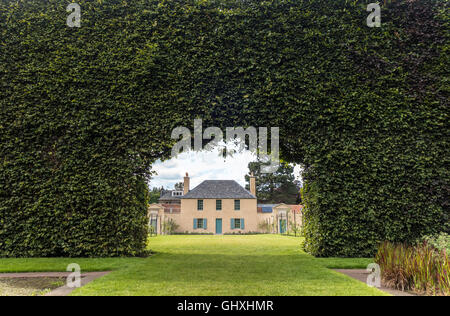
pixel 216 188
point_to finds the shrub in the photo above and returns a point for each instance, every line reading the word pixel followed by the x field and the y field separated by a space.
pixel 295 229
pixel 440 241
pixel 265 226
pixel 170 226
pixel 420 268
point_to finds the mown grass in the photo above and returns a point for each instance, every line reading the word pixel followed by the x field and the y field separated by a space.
pixel 214 265
pixel 60 264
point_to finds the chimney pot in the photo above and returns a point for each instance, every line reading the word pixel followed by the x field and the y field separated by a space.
pixel 186 184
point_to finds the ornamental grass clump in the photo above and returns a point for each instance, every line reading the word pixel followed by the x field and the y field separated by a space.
pixel 420 268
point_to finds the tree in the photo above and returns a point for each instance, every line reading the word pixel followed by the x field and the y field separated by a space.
pixel 155 193
pixel 179 186
pixel 298 184
pixel 273 188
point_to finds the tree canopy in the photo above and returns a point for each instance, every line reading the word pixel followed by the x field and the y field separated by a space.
pixel 273 188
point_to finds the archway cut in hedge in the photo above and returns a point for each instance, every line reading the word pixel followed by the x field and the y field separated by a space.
pixel 86 111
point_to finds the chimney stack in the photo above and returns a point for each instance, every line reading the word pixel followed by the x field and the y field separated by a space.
pixel 252 184
pixel 186 184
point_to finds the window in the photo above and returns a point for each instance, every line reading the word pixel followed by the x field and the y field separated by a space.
pixel 237 205
pixel 200 205
pixel 237 223
pixel 218 205
pixel 200 223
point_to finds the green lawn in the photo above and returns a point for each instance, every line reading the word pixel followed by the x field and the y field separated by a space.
pixel 213 265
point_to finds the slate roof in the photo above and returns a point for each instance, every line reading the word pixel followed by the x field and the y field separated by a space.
pixel 296 208
pixel 218 189
pixel 266 208
pixel 267 205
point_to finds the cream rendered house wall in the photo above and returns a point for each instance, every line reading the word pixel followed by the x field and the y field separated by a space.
pixel 248 212
pixel 189 211
pixel 269 218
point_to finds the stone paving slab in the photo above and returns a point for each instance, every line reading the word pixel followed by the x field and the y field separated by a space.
pixel 361 275
pixel 85 279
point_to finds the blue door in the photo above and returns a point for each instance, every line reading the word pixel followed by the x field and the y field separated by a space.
pixel 282 226
pixel 218 226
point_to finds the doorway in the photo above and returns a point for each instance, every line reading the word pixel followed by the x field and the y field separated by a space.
pixel 153 226
pixel 282 226
pixel 218 226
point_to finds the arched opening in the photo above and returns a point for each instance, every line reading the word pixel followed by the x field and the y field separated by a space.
pixel 363 109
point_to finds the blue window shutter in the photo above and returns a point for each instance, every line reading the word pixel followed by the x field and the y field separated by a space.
pixel 242 223
pixel 232 223
pixel 195 223
pixel 204 224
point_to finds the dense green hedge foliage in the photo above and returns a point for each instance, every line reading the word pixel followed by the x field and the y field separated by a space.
pixel 86 111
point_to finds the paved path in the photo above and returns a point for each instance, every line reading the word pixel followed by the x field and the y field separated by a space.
pixel 85 279
pixel 361 275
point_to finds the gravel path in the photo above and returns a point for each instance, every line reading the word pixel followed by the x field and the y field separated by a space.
pixel 29 286
pixel 41 283
pixel 361 275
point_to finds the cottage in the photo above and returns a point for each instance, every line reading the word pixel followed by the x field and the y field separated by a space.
pixel 220 207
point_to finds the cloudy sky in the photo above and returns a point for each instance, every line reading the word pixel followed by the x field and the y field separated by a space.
pixel 204 165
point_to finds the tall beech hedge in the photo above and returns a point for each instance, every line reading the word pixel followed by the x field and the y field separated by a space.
pixel 86 111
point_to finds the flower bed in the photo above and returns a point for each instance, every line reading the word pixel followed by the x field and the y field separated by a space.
pixel 421 268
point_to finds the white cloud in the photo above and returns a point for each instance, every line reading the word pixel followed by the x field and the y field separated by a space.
pixel 203 165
